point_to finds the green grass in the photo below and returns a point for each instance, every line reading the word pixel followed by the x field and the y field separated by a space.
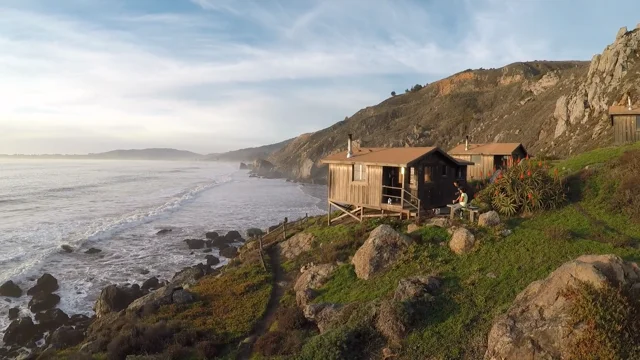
pixel 597 156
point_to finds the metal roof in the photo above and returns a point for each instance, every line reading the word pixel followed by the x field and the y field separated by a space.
pixel 486 149
pixel 400 156
pixel 623 110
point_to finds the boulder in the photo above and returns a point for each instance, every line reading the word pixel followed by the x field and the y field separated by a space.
pixel 43 301
pixel 14 313
pixel 66 337
pixel 233 235
pixel 45 284
pixel 412 227
pixel 195 243
pixel 10 289
pixel 153 300
pixel 80 321
pixel 390 323
pixel 229 252
pixel 93 251
pixel 313 277
pixel 382 248
pixel 416 288
pixel 151 283
pixel 163 232
pixel 188 276
pixel 220 242
pixel 208 250
pixel 212 235
pixel 537 325
pixel 243 166
pixel 21 332
pixel 296 245
pixel 323 315
pixel 462 241
pixel 489 219
pixel 212 260
pixel 52 319
pixel 67 248
pixel 442 222
pixel 115 298
pixel 182 296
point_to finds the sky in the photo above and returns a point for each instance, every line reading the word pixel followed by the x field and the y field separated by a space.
pixel 82 76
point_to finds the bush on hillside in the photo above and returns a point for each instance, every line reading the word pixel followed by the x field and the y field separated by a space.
pixel 524 188
pixel 254 233
pixel 611 323
pixel 627 194
pixel 356 343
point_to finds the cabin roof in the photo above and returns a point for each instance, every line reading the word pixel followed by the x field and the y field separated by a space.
pixel 623 110
pixel 399 156
pixel 486 149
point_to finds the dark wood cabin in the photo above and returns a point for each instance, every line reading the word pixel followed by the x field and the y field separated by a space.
pixel 400 181
pixel 487 158
pixel 626 124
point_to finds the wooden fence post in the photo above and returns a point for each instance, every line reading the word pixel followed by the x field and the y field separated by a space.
pixel 261 255
pixel 284 228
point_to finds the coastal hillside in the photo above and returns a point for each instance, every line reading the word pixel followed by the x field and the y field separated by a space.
pixel 248 154
pixel 133 154
pixel 504 287
pixel 553 107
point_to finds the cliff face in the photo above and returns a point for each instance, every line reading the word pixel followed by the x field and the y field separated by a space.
pixel 552 107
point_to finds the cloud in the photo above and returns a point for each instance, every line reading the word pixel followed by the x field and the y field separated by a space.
pixel 219 71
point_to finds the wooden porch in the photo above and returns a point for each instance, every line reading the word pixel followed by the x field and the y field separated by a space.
pixel 405 206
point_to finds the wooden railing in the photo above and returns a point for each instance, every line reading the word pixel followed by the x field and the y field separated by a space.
pixel 405 198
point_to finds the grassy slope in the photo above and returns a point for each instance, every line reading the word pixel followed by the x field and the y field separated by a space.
pixel 482 284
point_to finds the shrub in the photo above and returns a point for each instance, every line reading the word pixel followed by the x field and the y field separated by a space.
pixel 342 343
pixel 393 93
pixel 627 194
pixel 276 343
pixel 207 350
pixel 254 233
pixel 139 339
pixel 290 318
pixel 610 322
pixel 525 187
pixel 416 87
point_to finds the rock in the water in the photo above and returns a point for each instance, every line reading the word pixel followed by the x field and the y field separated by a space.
pixel 243 166
pixel 233 235
pixel 21 332
pixel 152 283
pixel 537 325
pixel 80 321
pixel 212 235
pixel 66 337
pixel 311 278
pixel 324 315
pixel 10 289
pixel 52 319
pixel 115 298
pixel 93 251
pixel 182 297
pixel 66 248
pixel 195 243
pixel 43 301
pixel 296 245
pixel 229 252
pixel 208 250
pixel 45 284
pixel 381 249
pixel 416 288
pixel 163 232
pixel 142 271
pixel 390 322
pixel 212 260
pixel 462 241
pixel 219 242
pixel 489 219
pixel 14 313
pixel 412 227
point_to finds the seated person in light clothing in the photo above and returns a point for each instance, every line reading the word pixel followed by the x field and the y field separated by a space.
pixel 461 201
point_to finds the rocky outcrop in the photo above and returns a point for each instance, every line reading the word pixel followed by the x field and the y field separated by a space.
pixel 43 301
pixel 296 245
pixel 537 326
pixel 150 284
pixel 45 284
pixel 229 252
pixel 243 166
pixel 212 260
pixel 115 298
pixel 390 322
pixel 489 219
pixel 195 244
pixel 10 289
pixel 66 337
pixel 323 315
pixel 233 235
pixel 22 332
pixel 462 241
pixel 416 288
pixel 381 249
pixel 312 277
pixel 52 319
pixel 13 313
pixel 412 227
pixel 93 251
pixel 438 222
pixel 212 235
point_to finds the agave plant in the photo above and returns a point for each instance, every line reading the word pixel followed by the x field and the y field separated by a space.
pixel 523 188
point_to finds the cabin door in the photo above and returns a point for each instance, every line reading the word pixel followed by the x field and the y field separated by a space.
pixel 391 184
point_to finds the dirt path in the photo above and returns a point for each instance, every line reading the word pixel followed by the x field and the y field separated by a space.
pixel 263 325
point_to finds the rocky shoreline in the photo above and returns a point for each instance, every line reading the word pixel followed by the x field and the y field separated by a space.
pixel 45 329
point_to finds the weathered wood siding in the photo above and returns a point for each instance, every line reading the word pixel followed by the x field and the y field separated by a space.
pixel 344 190
pixel 481 169
pixel 625 129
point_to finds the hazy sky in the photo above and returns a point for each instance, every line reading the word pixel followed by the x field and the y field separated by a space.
pixel 80 76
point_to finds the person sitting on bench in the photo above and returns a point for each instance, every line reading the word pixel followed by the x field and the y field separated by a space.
pixel 461 201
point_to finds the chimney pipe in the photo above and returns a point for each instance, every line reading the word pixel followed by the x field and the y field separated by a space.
pixel 629 101
pixel 466 143
pixel 349 153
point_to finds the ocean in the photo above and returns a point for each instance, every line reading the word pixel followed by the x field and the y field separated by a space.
pixel 118 207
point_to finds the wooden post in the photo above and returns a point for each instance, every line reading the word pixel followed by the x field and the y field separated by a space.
pixel 284 228
pixel 264 265
pixel 329 214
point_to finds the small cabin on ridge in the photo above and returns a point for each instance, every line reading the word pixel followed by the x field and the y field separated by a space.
pixel 487 158
pixel 400 181
pixel 626 123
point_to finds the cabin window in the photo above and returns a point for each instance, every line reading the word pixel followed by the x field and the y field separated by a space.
pixel 359 172
pixel 427 174
pixel 476 159
pixel 444 170
pixel 459 173
pixel 637 123
pixel 412 177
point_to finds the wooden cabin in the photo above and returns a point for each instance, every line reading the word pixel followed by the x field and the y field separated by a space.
pixel 626 124
pixel 487 158
pixel 392 181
